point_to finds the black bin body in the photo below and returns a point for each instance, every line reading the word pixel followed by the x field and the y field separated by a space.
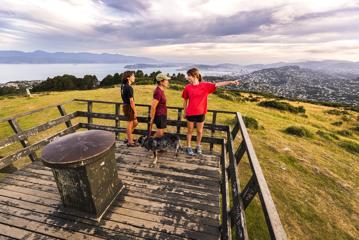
pixel 84 167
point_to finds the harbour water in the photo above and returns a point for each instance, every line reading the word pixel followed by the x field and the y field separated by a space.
pixel 21 72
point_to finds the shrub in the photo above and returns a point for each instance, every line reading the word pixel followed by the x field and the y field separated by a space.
pixel 339 123
pixel 350 146
pixel 353 108
pixel 255 99
pixel 282 106
pixel 346 118
pixel 226 96
pixel 356 129
pixel 337 112
pixel 176 87
pixel 326 135
pixel 250 122
pixel 298 131
pixel 345 133
pixel 11 91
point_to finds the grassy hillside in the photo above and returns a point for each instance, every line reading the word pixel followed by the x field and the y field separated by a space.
pixel 313 179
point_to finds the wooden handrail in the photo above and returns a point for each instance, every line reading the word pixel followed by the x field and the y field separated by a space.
pixel 257 182
pixel 35 130
pixel 229 165
pixel 34 147
pixel 147 105
pixel 32 112
pixel 238 215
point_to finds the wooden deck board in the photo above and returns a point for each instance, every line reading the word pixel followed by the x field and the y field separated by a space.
pixel 178 198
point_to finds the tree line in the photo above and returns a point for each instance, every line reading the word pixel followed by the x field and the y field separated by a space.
pixel 141 78
pixel 70 82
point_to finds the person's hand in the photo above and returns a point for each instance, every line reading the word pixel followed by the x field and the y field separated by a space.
pixel 151 121
pixel 235 82
pixel 135 114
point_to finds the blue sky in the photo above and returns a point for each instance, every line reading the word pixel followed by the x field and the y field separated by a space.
pixel 206 31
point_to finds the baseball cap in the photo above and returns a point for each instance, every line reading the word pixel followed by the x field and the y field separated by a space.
pixel 161 77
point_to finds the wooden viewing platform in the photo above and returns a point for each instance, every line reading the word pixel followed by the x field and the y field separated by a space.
pixel 178 198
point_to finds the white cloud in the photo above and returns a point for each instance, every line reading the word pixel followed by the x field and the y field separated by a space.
pixel 197 30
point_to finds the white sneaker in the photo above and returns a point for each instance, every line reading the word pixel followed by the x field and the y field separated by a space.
pixel 199 149
pixel 189 151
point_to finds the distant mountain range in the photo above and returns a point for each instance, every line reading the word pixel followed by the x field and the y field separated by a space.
pixel 14 57
pixel 301 83
pixel 345 69
pixel 341 69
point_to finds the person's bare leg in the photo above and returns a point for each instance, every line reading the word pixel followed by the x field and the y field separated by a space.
pixel 160 132
pixel 134 125
pixel 199 127
pixel 129 132
pixel 190 126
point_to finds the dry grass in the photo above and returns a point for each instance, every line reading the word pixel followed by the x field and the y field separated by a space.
pixel 313 181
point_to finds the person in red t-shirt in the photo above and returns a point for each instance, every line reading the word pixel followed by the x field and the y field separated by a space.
pixel 158 112
pixel 195 96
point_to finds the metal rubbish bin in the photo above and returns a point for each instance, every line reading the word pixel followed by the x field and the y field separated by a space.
pixel 84 167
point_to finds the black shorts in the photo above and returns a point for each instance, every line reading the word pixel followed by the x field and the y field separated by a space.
pixel 160 121
pixel 196 118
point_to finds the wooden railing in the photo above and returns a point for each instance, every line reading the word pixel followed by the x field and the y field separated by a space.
pixel 232 216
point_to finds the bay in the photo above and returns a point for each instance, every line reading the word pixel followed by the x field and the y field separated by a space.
pixel 23 72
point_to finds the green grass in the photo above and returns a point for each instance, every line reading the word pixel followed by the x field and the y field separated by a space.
pixel 313 181
pixel 328 136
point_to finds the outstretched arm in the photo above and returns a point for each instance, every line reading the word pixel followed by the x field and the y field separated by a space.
pixel 226 83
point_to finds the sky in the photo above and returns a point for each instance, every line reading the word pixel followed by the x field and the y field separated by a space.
pixel 197 31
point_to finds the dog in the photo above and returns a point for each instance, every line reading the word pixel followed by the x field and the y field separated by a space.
pixel 155 144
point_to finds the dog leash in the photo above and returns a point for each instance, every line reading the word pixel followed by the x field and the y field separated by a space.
pixel 149 130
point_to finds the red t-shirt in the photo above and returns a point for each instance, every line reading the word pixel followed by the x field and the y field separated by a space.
pixel 161 109
pixel 197 97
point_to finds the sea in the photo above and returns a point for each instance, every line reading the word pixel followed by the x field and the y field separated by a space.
pixel 25 72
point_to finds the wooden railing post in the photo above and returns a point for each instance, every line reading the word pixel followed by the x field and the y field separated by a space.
pixel 63 113
pixel 249 191
pixel 179 117
pixel 214 119
pixel 235 129
pixel 238 216
pixel 25 143
pixel 226 220
pixel 89 110
pixel 148 117
pixel 240 152
pixel 117 120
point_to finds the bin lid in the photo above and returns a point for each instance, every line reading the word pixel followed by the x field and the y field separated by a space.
pixel 77 148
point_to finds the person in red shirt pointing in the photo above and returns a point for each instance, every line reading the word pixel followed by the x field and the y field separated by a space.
pixel 195 96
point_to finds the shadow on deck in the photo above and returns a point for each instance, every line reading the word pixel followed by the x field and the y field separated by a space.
pixel 176 199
